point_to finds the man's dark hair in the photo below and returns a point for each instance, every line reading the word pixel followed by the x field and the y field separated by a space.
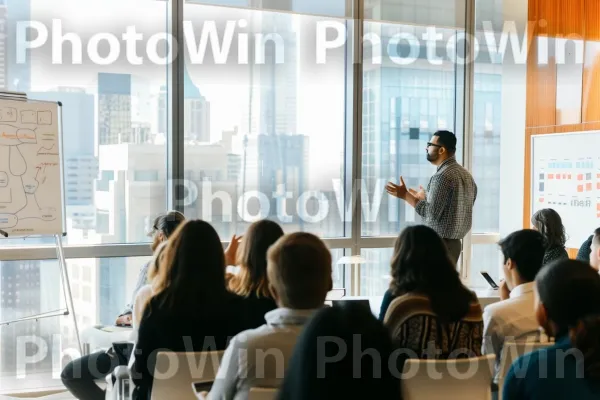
pixel 448 140
pixel 526 249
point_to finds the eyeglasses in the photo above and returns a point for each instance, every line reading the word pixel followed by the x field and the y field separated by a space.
pixel 434 145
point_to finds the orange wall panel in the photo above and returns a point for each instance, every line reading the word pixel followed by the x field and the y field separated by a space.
pixel 566 19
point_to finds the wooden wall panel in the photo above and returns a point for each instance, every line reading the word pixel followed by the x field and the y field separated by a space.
pixel 592 20
pixel 560 18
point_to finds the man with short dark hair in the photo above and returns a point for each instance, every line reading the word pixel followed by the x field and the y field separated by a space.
pixel 595 250
pixel 514 316
pixel 447 206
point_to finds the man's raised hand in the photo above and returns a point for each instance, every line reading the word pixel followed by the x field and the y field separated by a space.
pixel 400 191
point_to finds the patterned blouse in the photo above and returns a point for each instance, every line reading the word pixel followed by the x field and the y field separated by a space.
pixel 555 253
pixel 414 326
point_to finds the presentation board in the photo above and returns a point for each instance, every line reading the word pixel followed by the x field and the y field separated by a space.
pixel 31 188
pixel 566 177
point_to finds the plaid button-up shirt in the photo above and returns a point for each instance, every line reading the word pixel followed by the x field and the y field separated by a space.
pixel 451 195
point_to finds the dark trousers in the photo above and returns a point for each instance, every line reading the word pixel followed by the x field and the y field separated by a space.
pixel 79 375
pixel 454 249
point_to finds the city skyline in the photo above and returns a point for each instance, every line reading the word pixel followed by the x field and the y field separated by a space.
pixel 256 130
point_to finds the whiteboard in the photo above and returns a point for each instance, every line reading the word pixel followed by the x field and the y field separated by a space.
pixel 31 189
pixel 566 177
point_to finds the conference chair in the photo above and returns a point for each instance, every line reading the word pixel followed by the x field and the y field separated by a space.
pixel 262 394
pixel 513 350
pixel 175 375
pixel 463 379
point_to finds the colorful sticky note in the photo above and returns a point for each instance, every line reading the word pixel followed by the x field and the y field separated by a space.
pixel 557 176
pixel 550 176
pixel 580 188
pixel 580 177
pixel 588 187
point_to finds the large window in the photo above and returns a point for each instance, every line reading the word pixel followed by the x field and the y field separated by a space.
pixel 114 139
pixel 267 112
pixel 264 128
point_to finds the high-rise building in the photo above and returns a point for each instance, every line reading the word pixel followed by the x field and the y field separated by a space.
pixel 19 298
pixel 80 163
pixel 196 112
pixel 402 107
pixel 114 108
pixel 273 85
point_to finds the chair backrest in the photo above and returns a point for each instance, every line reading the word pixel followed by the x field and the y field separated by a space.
pixel 462 379
pixel 513 350
pixel 262 394
pixel 175 373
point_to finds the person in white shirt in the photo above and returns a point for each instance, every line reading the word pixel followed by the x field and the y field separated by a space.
pixel 299 273
pixel 595 250
pixel 513 318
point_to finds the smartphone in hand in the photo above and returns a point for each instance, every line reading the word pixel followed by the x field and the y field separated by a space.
pixel 489 280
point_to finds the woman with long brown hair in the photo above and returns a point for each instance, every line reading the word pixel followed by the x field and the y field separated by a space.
pixel 191 308
pixel 427 302
pixel 251 281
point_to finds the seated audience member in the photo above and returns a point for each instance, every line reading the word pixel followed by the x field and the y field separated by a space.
pixel 594 259
pixel 549 224
pixel 145 293
pixel 430 304
pixel 251 281
pixel 79 375
pixel 343 353
pixel 299 269
pixel 191 309
pixel 568 309
pixel 513 318
pixel 584 251
pixel 163 226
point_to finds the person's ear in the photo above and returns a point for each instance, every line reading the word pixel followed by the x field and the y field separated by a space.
pixel 510 264
pixel 274 293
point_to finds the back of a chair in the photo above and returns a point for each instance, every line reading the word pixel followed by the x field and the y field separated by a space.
pixel 176 373
pixel 513 350
pixel 262 394
pixel 462 379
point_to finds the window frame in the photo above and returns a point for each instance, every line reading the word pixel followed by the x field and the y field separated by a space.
pixel 353 159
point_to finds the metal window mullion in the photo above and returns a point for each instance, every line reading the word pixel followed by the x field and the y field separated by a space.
pixel 175 144
pixel 468 142
pixel 357 108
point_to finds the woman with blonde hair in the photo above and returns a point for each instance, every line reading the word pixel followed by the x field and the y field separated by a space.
pixel 251 281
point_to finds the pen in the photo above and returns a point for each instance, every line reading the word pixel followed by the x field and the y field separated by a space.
pixel 3 233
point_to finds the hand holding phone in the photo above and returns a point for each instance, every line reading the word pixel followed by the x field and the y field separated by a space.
pixel 489 280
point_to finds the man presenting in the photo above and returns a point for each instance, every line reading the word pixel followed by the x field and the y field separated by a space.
pixel 447 206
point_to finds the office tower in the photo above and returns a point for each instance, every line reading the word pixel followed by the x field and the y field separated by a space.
pixel 114 108
pixel 20 297
pixel 81 166
pixel 196 112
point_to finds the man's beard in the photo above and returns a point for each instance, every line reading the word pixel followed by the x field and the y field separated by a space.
pixel 432 157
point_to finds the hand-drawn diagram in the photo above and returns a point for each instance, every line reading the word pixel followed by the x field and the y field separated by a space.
pixel 30 182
